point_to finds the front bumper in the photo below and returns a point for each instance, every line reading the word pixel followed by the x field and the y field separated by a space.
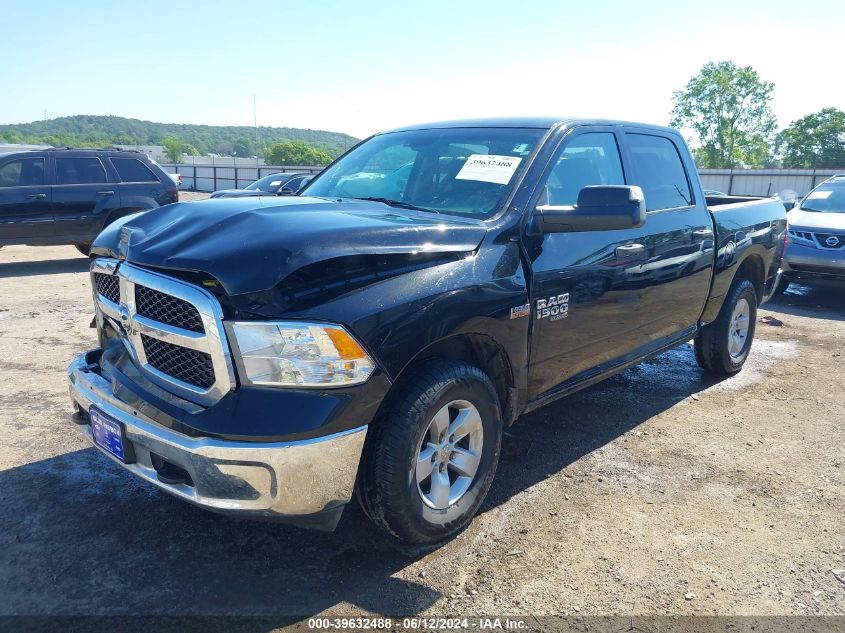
pixel 305 482
pixel 808 263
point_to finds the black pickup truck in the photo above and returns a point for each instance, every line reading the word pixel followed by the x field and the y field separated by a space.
pixel 67 196
pixel 267 357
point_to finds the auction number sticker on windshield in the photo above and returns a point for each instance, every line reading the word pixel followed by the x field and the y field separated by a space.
pixel 275 183
pixel 819 195
pixel 489 168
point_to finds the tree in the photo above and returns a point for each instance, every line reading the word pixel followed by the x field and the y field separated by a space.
pixel 11 136
pixel 190 150
pixel 173 149
pixel 816 140
pixel 243 147
pixel 296 153
pixel 80 130
pixel 727 108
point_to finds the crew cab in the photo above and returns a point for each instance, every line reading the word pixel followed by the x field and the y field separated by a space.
pixel 267 357
pixel 66 196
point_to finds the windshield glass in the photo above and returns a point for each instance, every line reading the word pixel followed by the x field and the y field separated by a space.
pixel 462 171
pixel 828 198
pixel 268 184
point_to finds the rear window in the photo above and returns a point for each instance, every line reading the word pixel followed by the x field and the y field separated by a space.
pixel 26 172
pixel 133 170
pixel 79 171
pixel 657 168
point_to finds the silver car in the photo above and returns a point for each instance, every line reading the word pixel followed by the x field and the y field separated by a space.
pixel 815 251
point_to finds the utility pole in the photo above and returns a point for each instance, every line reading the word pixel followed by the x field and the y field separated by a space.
pixel 255 120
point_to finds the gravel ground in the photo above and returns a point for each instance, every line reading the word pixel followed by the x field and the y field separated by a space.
pixel 656 492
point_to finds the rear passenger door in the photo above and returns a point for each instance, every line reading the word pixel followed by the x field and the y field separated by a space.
pixel 83 196
pixel 139 187
pixel 24 199
pixel 673 276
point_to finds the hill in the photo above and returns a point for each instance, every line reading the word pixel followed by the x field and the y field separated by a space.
pixel 95 131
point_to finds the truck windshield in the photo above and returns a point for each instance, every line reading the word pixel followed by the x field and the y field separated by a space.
pixel 461 171
pixel 826 199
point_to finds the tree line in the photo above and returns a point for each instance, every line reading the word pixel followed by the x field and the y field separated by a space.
pixel 178 139
pixel 727 109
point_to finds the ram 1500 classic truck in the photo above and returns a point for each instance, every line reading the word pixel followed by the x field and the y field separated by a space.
pixel 267 357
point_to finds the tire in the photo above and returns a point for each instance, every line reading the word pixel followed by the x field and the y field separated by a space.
pixel 85 249
pixel 719 349
pixel 783 284
pixel 437 395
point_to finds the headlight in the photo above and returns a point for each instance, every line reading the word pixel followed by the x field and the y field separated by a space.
pixel 299 354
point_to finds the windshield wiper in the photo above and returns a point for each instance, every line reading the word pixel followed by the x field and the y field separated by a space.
pixel 398 204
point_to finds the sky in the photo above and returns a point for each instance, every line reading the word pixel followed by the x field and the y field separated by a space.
pixel 364 66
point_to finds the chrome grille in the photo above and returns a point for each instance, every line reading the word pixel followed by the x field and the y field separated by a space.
pixel 173 329
pixel 188 365
pixel 829 240
pixel 167 309
pixel 107 286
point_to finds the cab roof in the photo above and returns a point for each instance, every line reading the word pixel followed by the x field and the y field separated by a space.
pixel 542 123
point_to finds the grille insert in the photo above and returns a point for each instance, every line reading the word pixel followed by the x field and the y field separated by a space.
pixel 187 365
pixel 836 241
pixel 108 286
pixel 168 309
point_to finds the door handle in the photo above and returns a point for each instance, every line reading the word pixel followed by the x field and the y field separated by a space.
pixel 703 234
pixel 627 250
pixel 37 196
pixel 105 193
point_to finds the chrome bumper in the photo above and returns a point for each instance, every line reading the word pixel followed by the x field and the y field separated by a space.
pixel 305 482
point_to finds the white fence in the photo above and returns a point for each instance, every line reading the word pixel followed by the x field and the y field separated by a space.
pixel 764 182
pixel 210 174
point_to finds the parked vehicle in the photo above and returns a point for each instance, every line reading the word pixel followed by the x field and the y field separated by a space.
pixel 176 178
pixel 713 192
pixel 815 254
pixel 280 184
pixel 67 196
pixel 264 357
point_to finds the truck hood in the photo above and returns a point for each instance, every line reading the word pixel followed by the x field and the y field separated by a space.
pixel 251 244
pixel 816 220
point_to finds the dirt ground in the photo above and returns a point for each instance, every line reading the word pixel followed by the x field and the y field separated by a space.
pixel 656 492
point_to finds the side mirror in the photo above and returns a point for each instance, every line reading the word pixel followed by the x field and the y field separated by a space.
pixel 599 208
pixel 286 191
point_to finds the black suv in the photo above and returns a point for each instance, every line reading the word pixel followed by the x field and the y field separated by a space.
pixel 67 196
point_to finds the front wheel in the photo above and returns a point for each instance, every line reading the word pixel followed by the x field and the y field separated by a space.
pixel 722 346
pixel 85 249
pixel 432 453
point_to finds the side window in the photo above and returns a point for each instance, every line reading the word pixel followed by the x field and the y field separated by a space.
pixel 26 172
pixel 657 168
pixel 79 171
pixel 588 159
pixel 133 170
pixel 293 184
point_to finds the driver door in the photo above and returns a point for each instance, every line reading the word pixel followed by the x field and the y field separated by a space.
pixel 584 314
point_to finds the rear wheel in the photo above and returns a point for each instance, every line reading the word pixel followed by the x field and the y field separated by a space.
pixel 722 346
pixel 432 453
